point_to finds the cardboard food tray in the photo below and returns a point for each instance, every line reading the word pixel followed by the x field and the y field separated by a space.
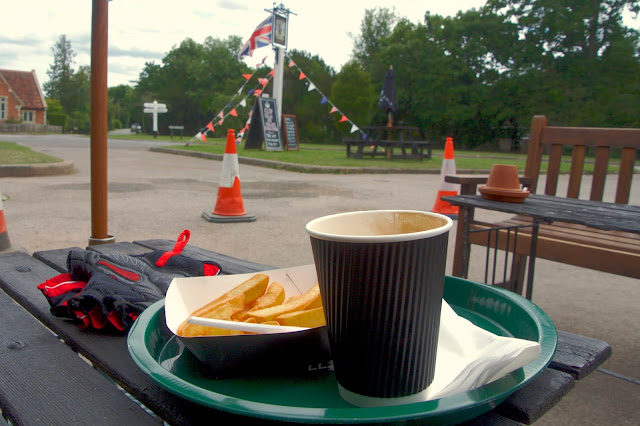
pixel 292 352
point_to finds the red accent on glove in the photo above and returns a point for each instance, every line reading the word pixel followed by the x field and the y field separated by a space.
pixel 122 272
pixel 182 241
pixel 59 285
pixel 116 320
pixel 210 270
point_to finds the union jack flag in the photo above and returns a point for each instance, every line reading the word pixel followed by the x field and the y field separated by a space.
pixel 261 37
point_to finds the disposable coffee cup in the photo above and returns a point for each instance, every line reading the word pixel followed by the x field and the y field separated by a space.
pixel 381 276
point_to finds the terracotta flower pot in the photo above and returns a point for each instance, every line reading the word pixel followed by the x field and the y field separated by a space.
pixel 503 184
pixel 503 176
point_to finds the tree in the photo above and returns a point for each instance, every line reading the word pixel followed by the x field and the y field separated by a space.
pixel 60 84
pixel 353 92
pixel 193 80
pixel 315 124
pixel 377 24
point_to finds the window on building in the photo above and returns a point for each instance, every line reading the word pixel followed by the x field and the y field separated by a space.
pixel 28 116
pixel 3 108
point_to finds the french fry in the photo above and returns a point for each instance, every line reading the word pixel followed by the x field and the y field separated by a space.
pixel 273 296
pixel 269 314
pixel 252 289
pixel 222 311
pixel 274 322
pixel 316 303
pixel 306 318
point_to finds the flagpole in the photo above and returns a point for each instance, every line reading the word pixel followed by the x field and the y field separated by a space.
pixel 278 77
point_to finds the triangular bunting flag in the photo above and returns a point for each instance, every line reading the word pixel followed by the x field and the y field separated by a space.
pixel 247 76
pixel 263 81
pixel 220 114
pixel 229 104
pixel 243 103
pixel 271 73
pixel 334 109
pixel 233 112
pixel 344 118
pixel 210 126
pixel 302 76
pixel 257 92
pixel 291 63
pixel 220 122
pixel 250 91
pixel 324 100
pixel 311 87
pixel 364 135
pixel 201 136
pixel 354 128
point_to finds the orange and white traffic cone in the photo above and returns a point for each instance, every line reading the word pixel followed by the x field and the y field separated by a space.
pixel 5 244
pixel 229 207
pixel 446 188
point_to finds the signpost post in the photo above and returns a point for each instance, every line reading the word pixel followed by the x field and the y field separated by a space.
pixel 155 108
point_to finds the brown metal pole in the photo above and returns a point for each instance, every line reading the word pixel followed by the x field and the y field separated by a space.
pixel 99 37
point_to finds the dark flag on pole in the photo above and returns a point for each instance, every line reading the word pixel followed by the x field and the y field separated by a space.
pixel 388 95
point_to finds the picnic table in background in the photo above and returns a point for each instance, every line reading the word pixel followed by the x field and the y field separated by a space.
pixel 382 141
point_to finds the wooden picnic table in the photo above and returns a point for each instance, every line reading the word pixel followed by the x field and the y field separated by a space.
pixel 382 141
pixel 44 380
pixel 544 210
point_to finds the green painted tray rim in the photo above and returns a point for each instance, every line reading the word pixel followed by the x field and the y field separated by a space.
pixel 483 301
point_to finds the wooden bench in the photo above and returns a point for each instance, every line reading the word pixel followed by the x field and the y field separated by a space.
pixel 385 148
pixel 608 251
pixel 172 128
pixel 382 140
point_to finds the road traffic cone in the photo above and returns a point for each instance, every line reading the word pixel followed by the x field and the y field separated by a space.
pixel 5 244
pixel 446 188
pixel 229 207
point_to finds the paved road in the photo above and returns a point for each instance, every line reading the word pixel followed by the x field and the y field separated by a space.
pixel 155 195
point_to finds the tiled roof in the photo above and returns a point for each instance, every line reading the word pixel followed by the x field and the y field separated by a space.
pixel 26 87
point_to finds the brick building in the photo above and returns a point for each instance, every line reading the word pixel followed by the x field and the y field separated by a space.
pixel 21 98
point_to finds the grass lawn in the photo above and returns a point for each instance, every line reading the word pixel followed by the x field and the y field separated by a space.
pixel 12 153
pixel 335 156
pixel 313 154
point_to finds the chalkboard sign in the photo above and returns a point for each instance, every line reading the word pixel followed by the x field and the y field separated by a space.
pixel 254 134
pixel 271 130
pixel 290 130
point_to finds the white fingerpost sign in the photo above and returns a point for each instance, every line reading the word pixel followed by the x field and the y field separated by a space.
pixel 155 108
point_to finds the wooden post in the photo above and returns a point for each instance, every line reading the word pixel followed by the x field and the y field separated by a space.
pixel 99 191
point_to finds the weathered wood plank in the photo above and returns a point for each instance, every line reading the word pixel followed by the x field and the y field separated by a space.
pixel 608 216
pixel 530 403
pixel 229 265
pixel 579 355
pixel 44 382
pixel 106 350
pixel 599 173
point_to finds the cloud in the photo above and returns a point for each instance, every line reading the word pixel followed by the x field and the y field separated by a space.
pixel 28 40
pixel 232 5
pixel 115 52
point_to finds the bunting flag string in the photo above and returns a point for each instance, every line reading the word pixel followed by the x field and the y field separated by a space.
pixel 233 111
pixel 324 100
pixel 257 91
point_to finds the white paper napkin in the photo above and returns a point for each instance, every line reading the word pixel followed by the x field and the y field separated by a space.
pixel 468 357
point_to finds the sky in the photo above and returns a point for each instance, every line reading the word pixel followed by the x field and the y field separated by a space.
pixel 143 31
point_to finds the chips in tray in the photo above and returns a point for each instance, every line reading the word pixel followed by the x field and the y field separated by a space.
pixel 228 354
pixel 254 300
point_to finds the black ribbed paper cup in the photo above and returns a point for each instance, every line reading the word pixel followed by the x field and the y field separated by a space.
pixel 381 276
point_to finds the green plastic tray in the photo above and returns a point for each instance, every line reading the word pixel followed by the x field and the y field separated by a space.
pixel 314 398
